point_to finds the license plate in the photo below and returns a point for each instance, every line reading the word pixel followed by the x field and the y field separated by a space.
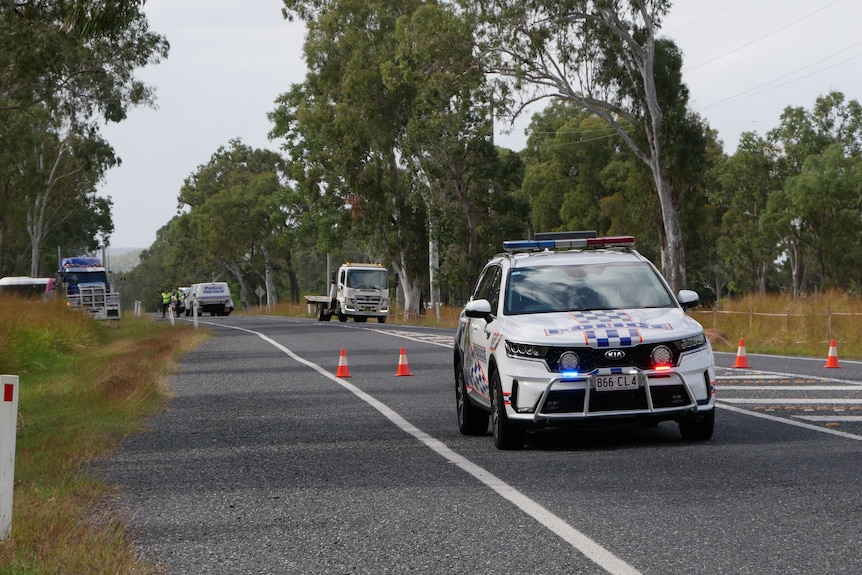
pixel 616 382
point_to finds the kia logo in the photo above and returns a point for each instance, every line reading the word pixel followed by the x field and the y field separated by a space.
pixel 615 354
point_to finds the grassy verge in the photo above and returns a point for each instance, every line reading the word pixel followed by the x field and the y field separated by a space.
pixel 780 325
pixel 83 386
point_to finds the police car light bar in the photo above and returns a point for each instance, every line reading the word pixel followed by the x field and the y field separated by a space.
pixel 605 242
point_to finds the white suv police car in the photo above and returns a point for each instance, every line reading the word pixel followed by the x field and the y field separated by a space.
pixel 573 329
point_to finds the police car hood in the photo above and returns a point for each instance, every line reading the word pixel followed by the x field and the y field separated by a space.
pixel 601 327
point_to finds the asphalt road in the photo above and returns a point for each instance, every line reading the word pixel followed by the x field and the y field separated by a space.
pixel 265 462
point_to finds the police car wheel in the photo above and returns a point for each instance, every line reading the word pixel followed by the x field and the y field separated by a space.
pixel 507 435
pixel 471 419
pixel 698 427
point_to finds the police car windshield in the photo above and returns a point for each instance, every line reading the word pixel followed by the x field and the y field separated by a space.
pixel 584 287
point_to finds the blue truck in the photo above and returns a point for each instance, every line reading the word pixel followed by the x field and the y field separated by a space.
pixel 87 285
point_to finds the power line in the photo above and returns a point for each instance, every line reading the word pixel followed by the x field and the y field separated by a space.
pixel 757 89
pixel 704 17
pixel 767 35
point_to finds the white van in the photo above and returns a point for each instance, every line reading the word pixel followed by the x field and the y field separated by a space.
pixel 213 298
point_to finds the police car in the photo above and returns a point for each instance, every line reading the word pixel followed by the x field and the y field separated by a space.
pixel 572 329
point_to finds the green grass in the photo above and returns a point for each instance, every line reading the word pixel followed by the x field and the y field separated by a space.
pixel 83 386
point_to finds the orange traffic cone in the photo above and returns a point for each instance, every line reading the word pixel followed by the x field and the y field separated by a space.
pixel 832 358
pixel 343 371
pixel 403 368
pixel 741 357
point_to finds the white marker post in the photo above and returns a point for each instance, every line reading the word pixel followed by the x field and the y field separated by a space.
pixel 8 431
pixel 195 312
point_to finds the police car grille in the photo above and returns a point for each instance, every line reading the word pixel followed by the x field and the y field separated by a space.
pixel 593 358
pixel 618 400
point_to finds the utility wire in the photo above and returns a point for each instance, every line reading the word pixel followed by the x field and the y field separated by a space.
pixel 767 85
pixel 704 17
pixel 767 35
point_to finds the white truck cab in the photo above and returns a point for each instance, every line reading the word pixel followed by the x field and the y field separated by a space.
pixel 357 290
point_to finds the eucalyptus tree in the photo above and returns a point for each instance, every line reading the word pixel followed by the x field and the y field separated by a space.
pixel 802 133
pixel 343 129
pixel 234 211
pixel 815 152
pixel 744 184
pixel 567 152
pixel 825 200
pixel 64 67
pixel 448 138
pixel 599 54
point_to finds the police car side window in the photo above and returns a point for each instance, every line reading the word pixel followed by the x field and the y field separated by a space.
pixel 489 286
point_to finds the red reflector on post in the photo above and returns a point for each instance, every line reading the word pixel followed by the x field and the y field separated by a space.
pixel 8 392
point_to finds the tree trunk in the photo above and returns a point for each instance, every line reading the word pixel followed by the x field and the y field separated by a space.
pixel 411 289
pixel 271 295
pixel 672 250
pixel 243 291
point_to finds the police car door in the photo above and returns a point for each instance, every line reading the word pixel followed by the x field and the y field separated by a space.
pixel 480 336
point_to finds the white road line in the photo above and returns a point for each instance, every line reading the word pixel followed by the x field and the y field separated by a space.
pixel 750 377
pixel 792 422
pixel 779 375
pixel 431 338
pixel 760 400
pixel 788 388
pixel 580 541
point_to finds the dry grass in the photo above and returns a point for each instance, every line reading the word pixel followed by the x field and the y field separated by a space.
pixel 781 325
pixel 84 385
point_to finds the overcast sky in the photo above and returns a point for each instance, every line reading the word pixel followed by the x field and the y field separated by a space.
pixel 745 61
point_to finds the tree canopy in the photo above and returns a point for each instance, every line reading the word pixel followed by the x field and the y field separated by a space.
pixel 65 67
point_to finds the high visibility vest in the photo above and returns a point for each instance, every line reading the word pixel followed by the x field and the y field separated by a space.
pixel 166 297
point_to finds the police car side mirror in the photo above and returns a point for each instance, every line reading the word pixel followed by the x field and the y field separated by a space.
pixel 479 308
pixel 688 298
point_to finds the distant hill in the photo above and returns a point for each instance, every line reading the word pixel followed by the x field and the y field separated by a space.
pixel 121 260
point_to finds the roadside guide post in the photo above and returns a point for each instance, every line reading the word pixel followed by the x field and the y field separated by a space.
pixel 195 311
pixel 8 430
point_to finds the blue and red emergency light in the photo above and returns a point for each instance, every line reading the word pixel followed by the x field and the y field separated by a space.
pixel 570 244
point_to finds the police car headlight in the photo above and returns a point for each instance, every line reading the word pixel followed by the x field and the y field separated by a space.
pixel 525 350
pixel 692 342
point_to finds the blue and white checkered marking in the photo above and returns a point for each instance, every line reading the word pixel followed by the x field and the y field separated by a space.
pixel 607 328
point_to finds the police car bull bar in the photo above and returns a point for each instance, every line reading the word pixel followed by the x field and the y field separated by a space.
pixel 589 381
